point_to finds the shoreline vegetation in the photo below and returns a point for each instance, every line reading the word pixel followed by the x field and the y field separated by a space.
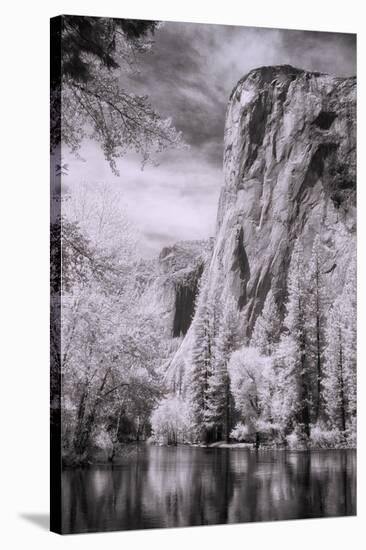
pixel 100 459
pixel 291 386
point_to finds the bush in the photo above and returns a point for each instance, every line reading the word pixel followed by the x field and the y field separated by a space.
pixel 170 422
pixel 323 438
pixel 297 439
pixel 103 440
pixel 240 432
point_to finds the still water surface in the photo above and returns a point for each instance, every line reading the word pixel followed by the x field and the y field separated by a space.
pixel 172 487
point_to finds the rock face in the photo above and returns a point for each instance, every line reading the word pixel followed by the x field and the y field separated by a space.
pixel 289 172
pixel 172 290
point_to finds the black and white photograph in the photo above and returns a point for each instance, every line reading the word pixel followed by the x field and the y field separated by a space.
pixel 203 274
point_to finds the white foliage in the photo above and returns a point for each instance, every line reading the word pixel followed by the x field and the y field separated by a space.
pixel 170 421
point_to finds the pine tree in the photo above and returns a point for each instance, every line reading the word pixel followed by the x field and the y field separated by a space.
pixel 316 303
pixel 284 400
pixel 202 358
pixel 267 328
pixel 297 364
pixel 334 382
pixel 339 385
pixel 220 400
pixel 350 336
pixel 265 338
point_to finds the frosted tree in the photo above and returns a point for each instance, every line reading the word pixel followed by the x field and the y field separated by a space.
pixel 284 397
pixel 202 360
pixel 101 215
pixel 249 374
pixel 265 337
pixel 315 310
pixel 110 358
pixel 170 421
pixel 111 348
pixel 339 385
pixel 335 394
pixel 267 328
pixel 220 400
pixel 94 54
pixel 298 368
pixel 350 336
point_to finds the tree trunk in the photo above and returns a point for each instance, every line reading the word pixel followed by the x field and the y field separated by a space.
pixel 115 438
pixel 341 391
pixel 87 426
pixel 318 409
pixel 80 422
pixel 227 411
pixel 304 390
pixel 319 370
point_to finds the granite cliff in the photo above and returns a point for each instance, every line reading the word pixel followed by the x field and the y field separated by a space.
pixel 289 172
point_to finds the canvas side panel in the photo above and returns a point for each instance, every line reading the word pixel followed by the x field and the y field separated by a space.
pixel 55 276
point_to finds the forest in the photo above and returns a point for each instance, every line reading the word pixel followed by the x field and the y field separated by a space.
pixel 291 384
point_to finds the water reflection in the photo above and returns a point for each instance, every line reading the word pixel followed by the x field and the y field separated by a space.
pixel 171 487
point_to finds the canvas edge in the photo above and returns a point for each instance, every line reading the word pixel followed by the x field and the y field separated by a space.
pixel 55 295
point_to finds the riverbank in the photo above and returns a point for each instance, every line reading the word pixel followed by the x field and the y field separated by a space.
pixel 263 447
pixel 129 450
pixel 224 445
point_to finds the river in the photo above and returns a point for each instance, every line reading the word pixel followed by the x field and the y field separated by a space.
pixel 180 486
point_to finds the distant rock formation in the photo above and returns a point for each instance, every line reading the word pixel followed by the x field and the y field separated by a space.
pixel 171 293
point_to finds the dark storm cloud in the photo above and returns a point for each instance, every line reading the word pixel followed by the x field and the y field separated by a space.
pixel 188 75
pixel 175 76
pixel 192 69
pixel 332 53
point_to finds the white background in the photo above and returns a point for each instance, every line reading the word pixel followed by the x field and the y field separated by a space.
pixel 24 440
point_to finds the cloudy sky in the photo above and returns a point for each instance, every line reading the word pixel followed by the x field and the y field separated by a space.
pixel 188 75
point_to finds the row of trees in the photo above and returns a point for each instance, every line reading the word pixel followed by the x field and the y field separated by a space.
pixel 294 382
pixel 106 349
pixel 111 349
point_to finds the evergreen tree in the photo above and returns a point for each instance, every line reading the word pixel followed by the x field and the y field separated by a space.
pixel 284 401
pixel 267 328
pixel 202 359
pixel 334 383
pixel 265 338
pixel 350 337
pixel 339 385
pixel 297 365
pixel 220 401
pixel 316 303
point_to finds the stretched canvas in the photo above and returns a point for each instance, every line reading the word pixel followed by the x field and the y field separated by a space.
pixel 203 274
